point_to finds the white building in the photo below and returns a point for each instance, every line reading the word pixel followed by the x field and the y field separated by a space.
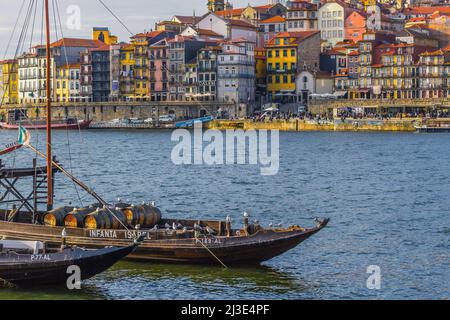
pixel 331 22
pixel 228 28
pixel 32 76
pixel 313 82
pixel 236 72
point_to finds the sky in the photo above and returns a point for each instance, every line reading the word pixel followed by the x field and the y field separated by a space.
pixel 137 15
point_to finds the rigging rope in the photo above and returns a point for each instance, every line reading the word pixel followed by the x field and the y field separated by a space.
pixel 14 30
pixel 217 258
pixel 115 16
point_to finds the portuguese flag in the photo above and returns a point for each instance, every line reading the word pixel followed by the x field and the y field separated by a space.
pixel 22 140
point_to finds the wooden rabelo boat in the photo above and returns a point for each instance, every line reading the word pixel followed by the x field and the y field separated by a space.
pixel 184 244
pixel 105 224
pixel 30 264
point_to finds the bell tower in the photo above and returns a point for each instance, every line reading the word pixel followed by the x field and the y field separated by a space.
pixel 216 5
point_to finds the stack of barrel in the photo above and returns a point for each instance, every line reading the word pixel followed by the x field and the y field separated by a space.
pixel 101 217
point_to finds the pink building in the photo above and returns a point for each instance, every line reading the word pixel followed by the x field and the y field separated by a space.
pixel 159 78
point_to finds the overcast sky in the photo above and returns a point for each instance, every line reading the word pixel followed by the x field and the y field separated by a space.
pixel 138 15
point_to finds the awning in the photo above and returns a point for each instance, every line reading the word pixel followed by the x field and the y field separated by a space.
pixel 285 94
pixel 339 93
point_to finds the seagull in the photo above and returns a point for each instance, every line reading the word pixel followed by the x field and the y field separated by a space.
pixel 196 227
pixel 210 230
pixel 184 229
pixel 179 226
pixel 137 227
pixel 271 225
pixel 280 224
pixel 255 221
pixel 167 226
pixel 174 226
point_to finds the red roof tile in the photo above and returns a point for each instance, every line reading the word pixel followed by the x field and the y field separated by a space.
pixel 276 19
pixel 75 42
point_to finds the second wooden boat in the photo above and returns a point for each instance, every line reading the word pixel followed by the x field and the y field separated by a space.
pixel 20 267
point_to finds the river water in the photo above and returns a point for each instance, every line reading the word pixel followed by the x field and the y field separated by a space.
pixel 387 194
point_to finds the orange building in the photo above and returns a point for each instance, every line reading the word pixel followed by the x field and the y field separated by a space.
pixel 355 26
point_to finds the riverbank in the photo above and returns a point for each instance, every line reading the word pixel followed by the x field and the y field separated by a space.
pixel 358 125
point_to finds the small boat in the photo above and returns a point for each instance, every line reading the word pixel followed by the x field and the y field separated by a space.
pixel 25 263
pixel 31 124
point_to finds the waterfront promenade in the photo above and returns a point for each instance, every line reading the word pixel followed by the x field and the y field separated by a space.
pixel 102 113
pixel 394 125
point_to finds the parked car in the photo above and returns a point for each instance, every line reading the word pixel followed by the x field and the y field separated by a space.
pixel 120 121
pixel 136 121
pixel 166 118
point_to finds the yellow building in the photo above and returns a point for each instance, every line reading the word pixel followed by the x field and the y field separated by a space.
pixel 104 35
pixel 281 52
pixel 141 70
pixel 127 63
pixel 68 83
pixel 171 26
pixel 261 71
pixel 9 86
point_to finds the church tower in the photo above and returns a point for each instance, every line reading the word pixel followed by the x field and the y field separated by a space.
pixel 216 5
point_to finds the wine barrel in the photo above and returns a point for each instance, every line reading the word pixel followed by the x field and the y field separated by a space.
pixel 132 215
pixel 55 218
pixel 152 215
pixel 143 215
pixel 75 218
pixel 103 219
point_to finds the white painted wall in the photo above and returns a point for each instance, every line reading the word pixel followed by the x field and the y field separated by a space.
pixel 214 23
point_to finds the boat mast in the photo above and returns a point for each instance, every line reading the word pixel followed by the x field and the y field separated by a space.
pixel 48 110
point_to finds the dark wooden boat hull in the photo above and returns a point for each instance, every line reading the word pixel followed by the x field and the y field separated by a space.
pixel 51 268
pixel 253 249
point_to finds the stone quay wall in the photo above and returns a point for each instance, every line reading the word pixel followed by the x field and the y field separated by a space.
pixel 108 111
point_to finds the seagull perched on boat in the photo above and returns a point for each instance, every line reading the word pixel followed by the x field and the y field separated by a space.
pixel 279 225
pixel 155 228
pixel 174 226
pixel 197 227
pixel 167 226
pixel 179 226
pixel 184 229
pixel 271 225
pixel 137 227
pixel 210 230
